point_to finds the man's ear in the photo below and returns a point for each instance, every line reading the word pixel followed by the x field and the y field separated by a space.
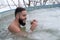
pixel 17 16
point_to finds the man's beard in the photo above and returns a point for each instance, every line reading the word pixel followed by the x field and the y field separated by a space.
pixel 21 22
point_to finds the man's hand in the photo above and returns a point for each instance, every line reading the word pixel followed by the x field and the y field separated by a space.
pixel 33 24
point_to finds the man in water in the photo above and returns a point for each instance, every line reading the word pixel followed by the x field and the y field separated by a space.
pixel 19 21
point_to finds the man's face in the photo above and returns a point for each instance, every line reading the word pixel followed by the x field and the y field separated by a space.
pixel 22 17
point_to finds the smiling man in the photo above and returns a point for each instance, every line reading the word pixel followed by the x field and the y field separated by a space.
pixel 18 26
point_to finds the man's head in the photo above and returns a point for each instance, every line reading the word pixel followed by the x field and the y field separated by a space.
pixel 20 14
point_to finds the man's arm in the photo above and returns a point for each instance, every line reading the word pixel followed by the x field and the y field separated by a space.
pixel 17 31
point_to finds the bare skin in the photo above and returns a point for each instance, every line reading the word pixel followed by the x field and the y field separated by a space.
pixel 14 27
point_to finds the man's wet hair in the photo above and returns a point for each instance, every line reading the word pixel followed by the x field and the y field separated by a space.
pixel 19 9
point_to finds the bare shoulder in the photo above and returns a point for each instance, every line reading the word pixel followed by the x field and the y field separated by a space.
pixel 13 27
